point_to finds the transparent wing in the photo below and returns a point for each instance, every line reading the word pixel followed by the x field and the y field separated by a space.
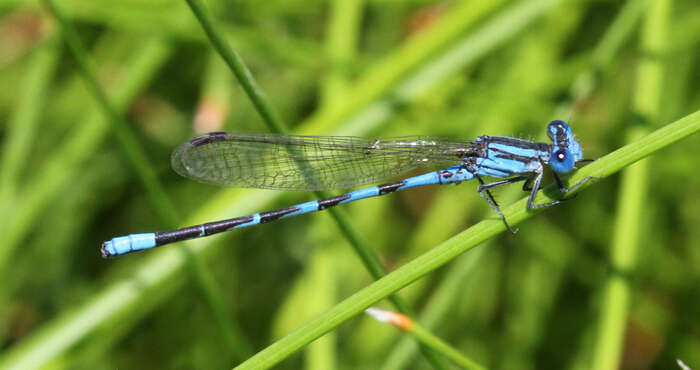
pixel 290 162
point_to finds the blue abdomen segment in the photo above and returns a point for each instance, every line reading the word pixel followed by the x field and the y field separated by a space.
pixel 129 243
pixel 135 242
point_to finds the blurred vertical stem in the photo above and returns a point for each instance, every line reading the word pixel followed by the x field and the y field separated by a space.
pixel 625 244
pixel 19 138
pixel 64 162
pixel 322 283
pixel 603 54
pixel 22 125
pixel 424 336
pixel 343 32
pixel 427 338
pixel 138 159
pixel 342 37
pixel 437 307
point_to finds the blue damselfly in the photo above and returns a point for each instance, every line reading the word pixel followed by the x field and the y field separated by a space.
pixel 307 163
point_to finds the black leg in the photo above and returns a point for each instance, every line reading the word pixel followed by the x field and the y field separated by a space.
pixel 531 200
pixel 486 194
pixel 481 181
pixel 565 190
pixel 500 183
pixel 527 185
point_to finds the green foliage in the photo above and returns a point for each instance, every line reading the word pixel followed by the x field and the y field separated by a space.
pixel 604 281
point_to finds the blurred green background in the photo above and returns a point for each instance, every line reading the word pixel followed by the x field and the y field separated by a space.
pixel 608 280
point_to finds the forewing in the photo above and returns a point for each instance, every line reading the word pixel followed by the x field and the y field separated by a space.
pixel 291 162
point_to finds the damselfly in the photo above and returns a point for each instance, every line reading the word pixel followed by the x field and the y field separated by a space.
pixel 307 163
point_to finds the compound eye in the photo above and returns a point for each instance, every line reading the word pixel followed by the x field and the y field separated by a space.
pixel 561 161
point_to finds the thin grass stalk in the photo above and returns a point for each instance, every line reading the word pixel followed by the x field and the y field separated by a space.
pixel 137 157
pixel 424 336
pixel 438 345
pixel 321 281
pixel 436 308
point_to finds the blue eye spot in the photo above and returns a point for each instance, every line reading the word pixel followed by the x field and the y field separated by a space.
pixel 562 161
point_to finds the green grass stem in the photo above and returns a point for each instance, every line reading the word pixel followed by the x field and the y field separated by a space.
pixel 439 346
pixel 423 336
pixel 437 308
